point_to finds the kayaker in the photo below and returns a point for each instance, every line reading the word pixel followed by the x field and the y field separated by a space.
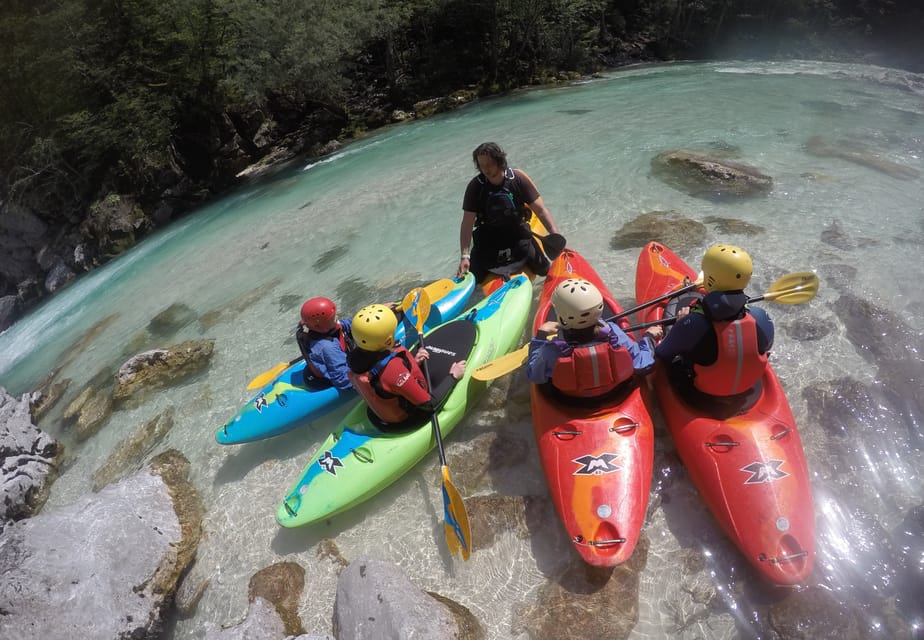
pixel 587 356
pixel 719 345
pixel 322 338
pixel 387 375
pixel 496 209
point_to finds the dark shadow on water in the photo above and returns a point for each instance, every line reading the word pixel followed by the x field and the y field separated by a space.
pixel 300 442
pixel 298 539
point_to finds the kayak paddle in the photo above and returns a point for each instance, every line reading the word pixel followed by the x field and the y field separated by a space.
pixel 793 288
pixel 456 528
pixel 552 244
pixel 435 290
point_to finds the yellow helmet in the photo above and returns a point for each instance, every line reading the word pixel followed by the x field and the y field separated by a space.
pixel 578 303
pixel 374 327
pixel 726 268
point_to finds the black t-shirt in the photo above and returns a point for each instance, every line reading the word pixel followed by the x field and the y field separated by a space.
pixel 500 205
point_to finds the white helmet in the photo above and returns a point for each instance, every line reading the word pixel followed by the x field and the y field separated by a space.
pixel 578 303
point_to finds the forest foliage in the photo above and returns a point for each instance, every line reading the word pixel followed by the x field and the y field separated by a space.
pixel 111 94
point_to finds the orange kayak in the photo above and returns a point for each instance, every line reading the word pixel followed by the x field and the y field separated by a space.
pixel 745 457
pixel 596 453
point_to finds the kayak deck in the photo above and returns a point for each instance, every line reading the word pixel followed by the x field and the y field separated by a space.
pixel 744 455
pixel 597 454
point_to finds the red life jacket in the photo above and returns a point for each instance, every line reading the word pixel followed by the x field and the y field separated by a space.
pixel 592 370
pixel 382 397
pixel 739 365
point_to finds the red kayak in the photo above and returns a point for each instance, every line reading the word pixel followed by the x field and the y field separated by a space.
pixel 597 453
pixel 744 456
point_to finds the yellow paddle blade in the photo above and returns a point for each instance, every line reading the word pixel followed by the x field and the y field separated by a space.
pixel 439 288
pixel 419 310
pixel 503 365
pixel 409 299
pixel 267 376
pixel 456 527
pixel 435 290
pixel 794 288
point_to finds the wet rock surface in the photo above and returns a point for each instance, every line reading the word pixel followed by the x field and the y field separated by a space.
pixel 129 453
pixel 159 368
pixel 709 176
pixel 671 228
pixel 110 581
pixel 29 460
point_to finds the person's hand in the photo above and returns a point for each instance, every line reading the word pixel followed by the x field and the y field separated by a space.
pixel 464 264
pixel 421 355
pixel 682 311
pixel 548 328
pixel 457 370
pixel 655 332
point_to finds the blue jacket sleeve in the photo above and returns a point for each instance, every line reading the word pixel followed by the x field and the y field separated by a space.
pixel 542 357
pixel 642 358
pixel 331 361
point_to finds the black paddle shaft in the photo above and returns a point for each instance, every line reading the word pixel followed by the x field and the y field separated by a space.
pixel 433 418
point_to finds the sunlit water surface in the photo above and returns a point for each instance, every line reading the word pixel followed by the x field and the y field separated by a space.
pixel 386 210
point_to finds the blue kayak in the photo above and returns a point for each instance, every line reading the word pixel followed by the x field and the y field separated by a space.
pixel 286 402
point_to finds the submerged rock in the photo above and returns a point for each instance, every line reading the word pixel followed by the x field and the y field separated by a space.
pixel 162 367
pixel 835 236
pixel 733 225
pixel 130 452
pixel 281 584
pixel 587 602
pixel 171 320
pixel 327 259
pixel 668 227
pixel 47 394
pixel 94 413
pixel 707 176
pixel 375 599
pixel 818 147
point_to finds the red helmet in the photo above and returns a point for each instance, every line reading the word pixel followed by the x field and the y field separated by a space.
pixel 319 314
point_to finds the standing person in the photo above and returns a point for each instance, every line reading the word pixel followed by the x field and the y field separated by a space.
pixel 719 344
pixel 323 340
pixel 588 357
pixel 496 209
pixel 388 376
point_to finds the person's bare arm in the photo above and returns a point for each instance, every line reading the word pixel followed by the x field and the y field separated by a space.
pixel 465 241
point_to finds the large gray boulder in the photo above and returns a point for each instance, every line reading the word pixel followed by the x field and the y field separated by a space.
pixel 105 566
pixel 375 599
pixel 29 460
pixel 274 595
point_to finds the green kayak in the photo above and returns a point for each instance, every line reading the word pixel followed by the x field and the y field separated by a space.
pixel 358 460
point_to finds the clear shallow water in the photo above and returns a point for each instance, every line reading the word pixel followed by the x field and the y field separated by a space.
pixel 387 209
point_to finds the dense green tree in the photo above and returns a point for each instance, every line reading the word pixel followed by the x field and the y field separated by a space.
pixel 126 94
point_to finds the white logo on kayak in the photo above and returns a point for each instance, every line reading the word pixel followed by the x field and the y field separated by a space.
pixel 404 377
pixel 597 465
pixel 764 472
pixel 440 350
pixel 260 403
pixel 329 463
